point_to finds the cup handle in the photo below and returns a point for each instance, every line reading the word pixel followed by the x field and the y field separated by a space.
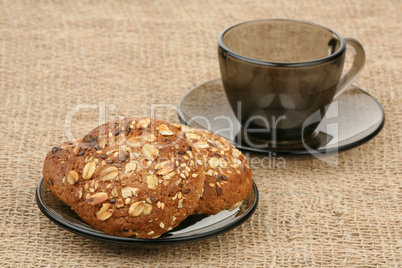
pixel 359 56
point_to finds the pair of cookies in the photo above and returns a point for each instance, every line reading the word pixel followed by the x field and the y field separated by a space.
pixel 140 177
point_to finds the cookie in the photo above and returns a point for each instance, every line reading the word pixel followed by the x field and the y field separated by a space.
pixel 227 174
pixel 134 177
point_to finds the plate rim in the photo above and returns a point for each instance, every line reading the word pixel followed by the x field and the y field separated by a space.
pixel 142 241
pixel 293 152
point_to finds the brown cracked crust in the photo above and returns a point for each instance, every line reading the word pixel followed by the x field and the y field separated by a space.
pixel 227 175
pixel 134 177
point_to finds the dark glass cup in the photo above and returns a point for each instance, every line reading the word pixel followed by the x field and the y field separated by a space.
pixel 280 76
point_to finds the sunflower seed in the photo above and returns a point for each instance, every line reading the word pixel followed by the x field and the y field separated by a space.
pixel 143 123
pixel 152 182
pixel 213 162
pixel 136 209
pixel 72 177
pixel 130 166
pixel 97 198
pixel 105 212
pixel 149 138
pixel 164 168
pixel 147 209
pixel 109 174
pixel 150 151
pixel 134 142
pixel 164 130
pixel 88 170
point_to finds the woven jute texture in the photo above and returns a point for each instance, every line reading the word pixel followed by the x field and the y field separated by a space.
pixel 124 57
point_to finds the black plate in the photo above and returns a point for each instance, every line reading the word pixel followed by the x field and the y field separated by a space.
pixel 193 228
pixel 352 119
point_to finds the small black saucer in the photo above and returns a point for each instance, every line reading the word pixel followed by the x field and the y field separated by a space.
pixel 193 228
pixel 352 119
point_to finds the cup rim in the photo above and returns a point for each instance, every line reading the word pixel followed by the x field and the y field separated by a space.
pixel 236 55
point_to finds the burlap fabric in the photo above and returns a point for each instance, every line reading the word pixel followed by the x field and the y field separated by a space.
pixel 120 58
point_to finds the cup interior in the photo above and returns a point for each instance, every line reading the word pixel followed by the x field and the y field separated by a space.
pixel 281 41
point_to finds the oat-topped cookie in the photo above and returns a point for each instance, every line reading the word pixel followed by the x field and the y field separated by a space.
pixel 227 174
pixel 131 177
